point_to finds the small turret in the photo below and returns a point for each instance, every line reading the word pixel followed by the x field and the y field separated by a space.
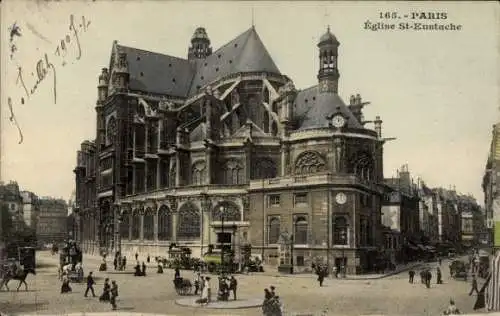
pixel 102 88
pixel 328 74
pixel 200 45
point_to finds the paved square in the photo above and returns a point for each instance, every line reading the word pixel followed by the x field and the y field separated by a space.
pixel 155 294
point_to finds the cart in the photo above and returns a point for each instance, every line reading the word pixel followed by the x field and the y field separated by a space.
pixel 183 286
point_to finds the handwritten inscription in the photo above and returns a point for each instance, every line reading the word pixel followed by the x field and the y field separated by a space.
pixel 45 67
pixel 14 31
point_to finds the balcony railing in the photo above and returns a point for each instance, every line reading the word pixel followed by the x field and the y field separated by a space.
pixel 311 179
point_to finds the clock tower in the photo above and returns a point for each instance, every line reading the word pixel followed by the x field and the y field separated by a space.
pixel 328 74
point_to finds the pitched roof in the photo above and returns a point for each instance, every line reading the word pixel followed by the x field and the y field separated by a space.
pixel 164 74
pixel 313 107
pixel 158 73
pixel 245 53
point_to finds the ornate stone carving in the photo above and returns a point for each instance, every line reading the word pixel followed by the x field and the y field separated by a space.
pixel 172 201
pixel 246 203
pixel 122 60
pixel 309 162
pixel 288 87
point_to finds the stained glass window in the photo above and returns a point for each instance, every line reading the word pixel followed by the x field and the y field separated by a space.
pixel 340 230
pixel 274 230
pixel 136 225
pixel 229 210
pixel 149 224
pixel 125 225
pixel 188 222
pixel 164 223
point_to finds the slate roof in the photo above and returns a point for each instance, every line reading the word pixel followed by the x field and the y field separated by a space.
pixel 164 74
pixel 158 73
pixel 314 107
pixel 245 53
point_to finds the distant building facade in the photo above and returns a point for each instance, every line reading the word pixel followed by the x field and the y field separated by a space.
pixel 12 199
pixel 52 221
pixel 472 222
pixel 401 216
pixel 221 146
pixel 490 185
pixel 31 209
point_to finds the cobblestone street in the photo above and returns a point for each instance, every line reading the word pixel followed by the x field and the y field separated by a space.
pixel 155 294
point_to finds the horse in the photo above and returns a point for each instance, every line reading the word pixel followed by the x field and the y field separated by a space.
pixel 20 276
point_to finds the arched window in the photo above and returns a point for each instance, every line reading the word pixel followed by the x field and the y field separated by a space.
pixel 263 168
pixel 136 225
pixel 228 210
pixel 273 233
pixel 362 166
pixel 189 222
pixel 125 225
pixel 300 229
pixel 340 232
pixel 149 224
pixel 198 173
pixel 309 162
pixel 233 172
pixel 164 223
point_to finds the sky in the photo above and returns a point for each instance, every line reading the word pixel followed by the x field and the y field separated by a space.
pixel 436 92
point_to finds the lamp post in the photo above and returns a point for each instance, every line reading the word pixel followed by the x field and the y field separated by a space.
pixel 222 210
pixel 343 236
pixel 233 246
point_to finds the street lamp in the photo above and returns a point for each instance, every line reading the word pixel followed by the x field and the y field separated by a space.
pixel 343 237
pixel 222 210
pixel 233 246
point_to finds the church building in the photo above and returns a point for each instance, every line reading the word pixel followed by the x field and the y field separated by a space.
pixel 221 146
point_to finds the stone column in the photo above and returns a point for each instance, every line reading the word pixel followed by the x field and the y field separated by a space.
pixel 174 225
pixel 158 174
pixel 141 227
pixel 177 170
pixel 155 226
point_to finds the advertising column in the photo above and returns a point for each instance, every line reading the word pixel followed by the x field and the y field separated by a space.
pixel 496 223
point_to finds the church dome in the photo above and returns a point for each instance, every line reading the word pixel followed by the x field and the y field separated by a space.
pixel 328 38
pixel 200 34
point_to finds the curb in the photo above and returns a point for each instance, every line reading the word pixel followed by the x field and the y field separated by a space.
pixel 248 303
pixel 361 278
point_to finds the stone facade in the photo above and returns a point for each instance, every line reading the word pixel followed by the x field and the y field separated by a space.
pixel 188 150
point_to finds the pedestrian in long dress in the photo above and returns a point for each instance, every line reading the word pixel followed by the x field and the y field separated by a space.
pixel 439 276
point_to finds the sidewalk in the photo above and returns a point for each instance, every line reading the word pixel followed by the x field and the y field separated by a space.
pixel 270 271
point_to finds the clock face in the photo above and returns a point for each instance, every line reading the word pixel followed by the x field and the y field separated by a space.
pixel 338 121
pixel 341 198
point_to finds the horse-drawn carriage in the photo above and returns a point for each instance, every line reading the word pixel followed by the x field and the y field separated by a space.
pixel 183 286
pixel 70 262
